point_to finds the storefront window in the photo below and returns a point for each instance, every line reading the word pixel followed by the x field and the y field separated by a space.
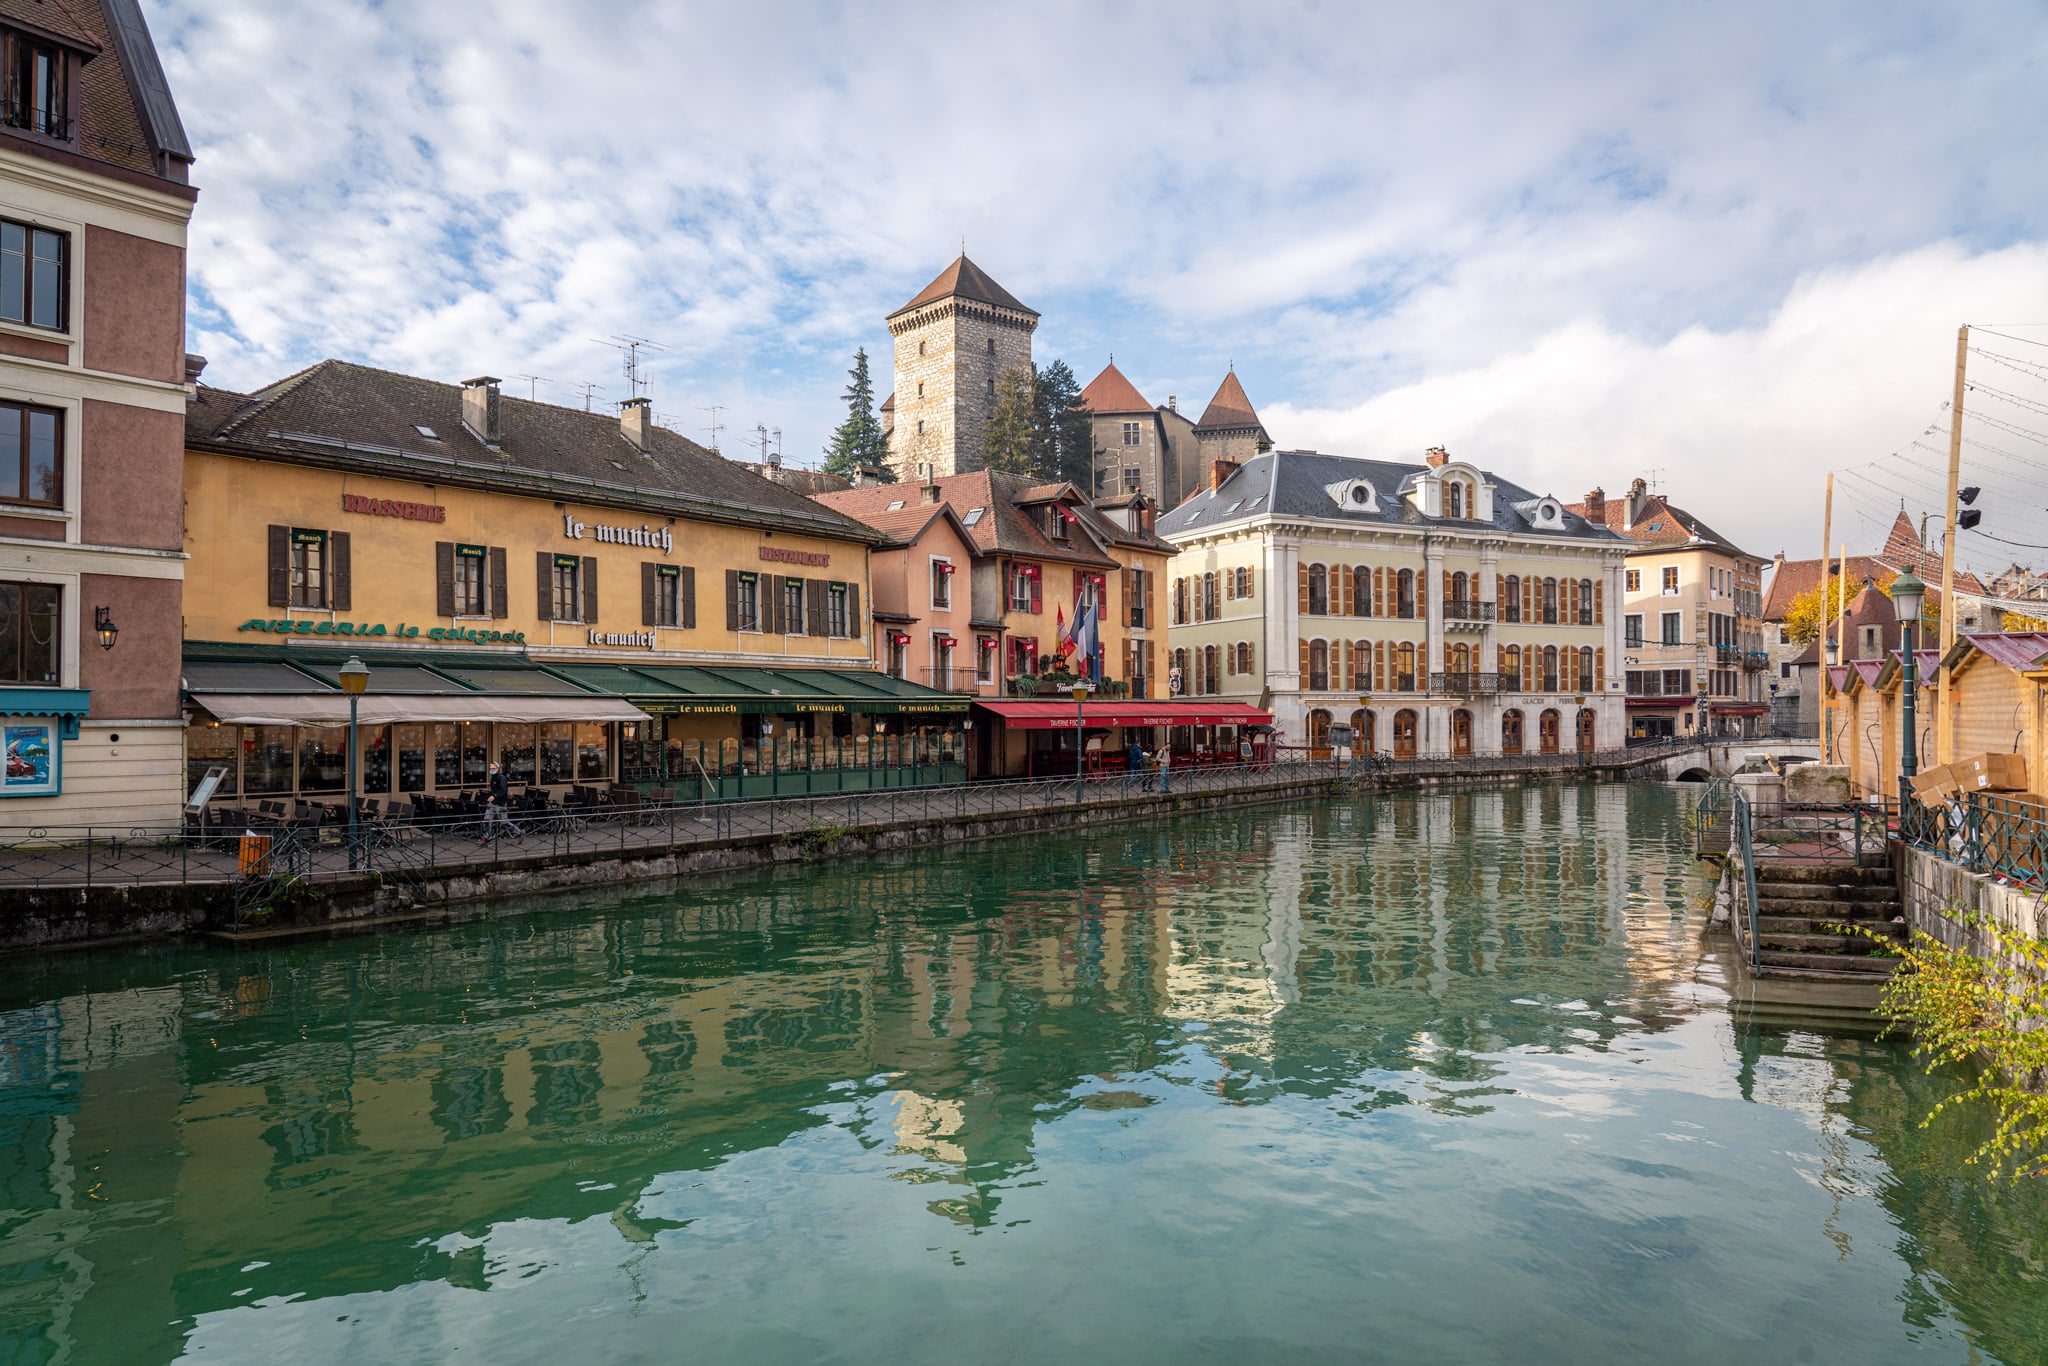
pixel 266 760
pixel 476 753
pixel 516 753
pixel 447 755
pixel 323 759
pixel 593 752
pixel 557 753
pixel 376 763
pixel 411 744
pixel 208 747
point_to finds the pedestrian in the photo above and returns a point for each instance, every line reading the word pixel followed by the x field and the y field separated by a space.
pixel 1137 757
pixel 1165 764
pixel 1244 750
pixel 498 807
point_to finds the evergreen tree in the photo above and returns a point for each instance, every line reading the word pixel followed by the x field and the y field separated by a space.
pixel 1011 445
pixel 858 440
pixel 1063 429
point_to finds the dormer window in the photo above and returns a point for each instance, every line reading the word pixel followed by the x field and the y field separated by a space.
pixel 36 87
pixel 1056 519
pixel 1454 500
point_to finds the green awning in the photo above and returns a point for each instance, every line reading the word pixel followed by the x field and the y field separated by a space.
pixel 689 690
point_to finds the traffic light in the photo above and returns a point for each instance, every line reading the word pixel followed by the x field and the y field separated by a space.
pixel 1967 517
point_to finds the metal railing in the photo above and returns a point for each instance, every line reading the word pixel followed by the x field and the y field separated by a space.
pixel 1742 840
pixel 953 678
pixel 1459 609
pixel 1753 660
pixel 1997 834
pixel 1465 684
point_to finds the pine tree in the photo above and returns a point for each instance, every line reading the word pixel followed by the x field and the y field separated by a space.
pixel 1011 445
pixel 1064 431
pixel 858 440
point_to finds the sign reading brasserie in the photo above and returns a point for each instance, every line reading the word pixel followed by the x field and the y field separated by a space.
pixel 389 507
pixel 644 536
pixel 358 629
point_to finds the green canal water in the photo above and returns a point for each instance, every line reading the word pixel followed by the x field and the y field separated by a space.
pixel 1417 1079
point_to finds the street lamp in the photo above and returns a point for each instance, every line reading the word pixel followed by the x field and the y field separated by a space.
pixel 355 677
pixel 1080 736
pixel 1579 729
pixel 1908 595
pixel 1827 684
pixel 1365 726
pixel 103 622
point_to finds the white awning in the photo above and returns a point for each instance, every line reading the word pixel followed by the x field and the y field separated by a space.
pixel 331 708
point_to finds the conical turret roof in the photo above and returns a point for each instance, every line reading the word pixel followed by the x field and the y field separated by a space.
pixel 1110 392
pixel 1230 408
pixel 965 280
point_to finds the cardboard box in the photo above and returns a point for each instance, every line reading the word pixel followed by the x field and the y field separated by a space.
pixel 1991 773
pixel 1933 785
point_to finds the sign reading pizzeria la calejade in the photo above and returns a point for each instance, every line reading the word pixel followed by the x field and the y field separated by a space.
pixel 359 630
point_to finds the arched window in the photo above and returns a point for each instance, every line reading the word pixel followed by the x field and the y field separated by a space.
pixel 1180 666
pixel 1550 602
pixel 1461 594
pixel 1511 732
pixel 1244 656
pixel 1546 731
pixel 1319 729
pixel 1461 734
pixel 1244 582
pixel 1318 591
pixel 1405 727
pixel 1404 667
pixel 1319 666
pixel 1361 592
pixel 1585 669
pixel 1209 609
pixel 1454 500
pixel 1511 669
pixel 1511 599
pixel 1210 681
pixel 1404 594
pixel 1460 659
pixel 991 346
pixel 1585 602
pixel 1550 668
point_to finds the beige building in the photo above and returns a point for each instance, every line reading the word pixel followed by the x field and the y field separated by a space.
pixel 1473 612
pixel 1141 450
pixel 953 342
pixel 1692 624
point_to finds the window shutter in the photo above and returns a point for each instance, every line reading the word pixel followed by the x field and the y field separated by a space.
pixel 1248 582
pixel 1130 604
pixel 1302 572
pixel 773 618
pixel 1229 585
pixel 1304 661
pixel 340 594
pixel 817 621
pixel 544 572
pixel 1529 599
pixel 1379 593
pixel 1599 602
pixel 1351 665
pixel 501 599
pixel 853 617
pixel 1379 666
pixel 1447 585
pixel 1127 659
pixel 1575 602
pixel 1599 664
pixel 1500 660
pixel 280 566
pixel 1422 594
pixel 1350 599
pixel 647 592
pixel 1500 591
pixel 1528 668
pixel 686 590
pixel 589 588
pixel 732 599
pixel 1037 596
pixel 444 578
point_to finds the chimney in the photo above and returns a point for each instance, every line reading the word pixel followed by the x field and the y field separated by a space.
pixel 1220 472
pixel 480 409
pixel 1436 457
pixel 931 495
pixel 1638 496
pixel 1173 403
pixel 195 366
pixel 1596 507
pixel 635 420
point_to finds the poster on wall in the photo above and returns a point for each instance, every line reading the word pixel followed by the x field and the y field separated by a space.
pixel 31 766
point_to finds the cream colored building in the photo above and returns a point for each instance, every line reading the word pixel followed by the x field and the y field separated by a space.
pixel 1474 613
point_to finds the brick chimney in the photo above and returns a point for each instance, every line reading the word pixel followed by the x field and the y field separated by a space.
pixel 480 409
pixel 1436 457
pixel 931 495
pixel 1638 501
pixel 636 420
pixel 1596 507
pixel 1220 472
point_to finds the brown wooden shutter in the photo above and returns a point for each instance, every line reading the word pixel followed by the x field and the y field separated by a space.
pixel 1500 661
pixel 1302 572
pixel 1575 602
pixel 444 578
pixel 1127 659
pixel 1248 581
pixel 1379 666
pixel 1350 592
pixel 590 588
pixel 732 599
pixel 544 575
pixel 1599 666
pixel 501 598
pixel 817 616
pixel 686 591
pixel 1130 603
pixel 854 622
pixel 1500 592
pixel 1379 593
pixel 1447 585
pixel 772 615
pixel 1421 594
pixel 648 592
pixel 1304 666
pixel 1528 668
pixel 1529 599
pixel 1599 602
pixel 340 588
pixel 280 566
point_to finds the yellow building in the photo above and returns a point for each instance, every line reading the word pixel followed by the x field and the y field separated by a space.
pixel 587 600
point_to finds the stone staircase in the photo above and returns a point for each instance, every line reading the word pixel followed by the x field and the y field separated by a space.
pixel 1809 915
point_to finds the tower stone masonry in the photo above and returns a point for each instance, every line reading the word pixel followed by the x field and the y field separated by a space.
pixel 952 342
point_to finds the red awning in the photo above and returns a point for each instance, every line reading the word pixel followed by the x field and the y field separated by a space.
pixel 1673 700
pixel 1738 708
pixel 1060 715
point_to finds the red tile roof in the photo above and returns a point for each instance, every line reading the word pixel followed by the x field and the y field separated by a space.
pixel 1902 547
pixel 1662 523
pixel 1230 409
pixel 1110 392
pixel 965 280
pixel 1004 527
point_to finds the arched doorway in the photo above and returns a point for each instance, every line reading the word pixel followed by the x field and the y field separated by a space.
pixel 1404 734
pixel 1319 734
pixel 1461 734
pixel 1546 730
pixel 1585 729
pixel 1511 731
pixel 1363 740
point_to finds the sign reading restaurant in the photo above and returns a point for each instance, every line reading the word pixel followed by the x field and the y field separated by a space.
pixel 644 536
pixel 776 552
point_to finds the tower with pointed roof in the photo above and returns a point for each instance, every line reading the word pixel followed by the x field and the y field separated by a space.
pixel 953 341
pixel 1230 429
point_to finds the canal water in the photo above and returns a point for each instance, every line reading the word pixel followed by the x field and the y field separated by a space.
pixel 1418 1078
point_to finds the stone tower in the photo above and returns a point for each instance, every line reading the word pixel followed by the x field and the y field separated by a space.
pixel 1229 429
pixel 952 341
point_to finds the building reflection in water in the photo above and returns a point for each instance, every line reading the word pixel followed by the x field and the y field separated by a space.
pixel 366 1111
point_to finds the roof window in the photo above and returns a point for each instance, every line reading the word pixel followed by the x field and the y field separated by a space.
pixel 973 516
pixel 896 506
pixel 1233 507
pixel 1258 500
pixel 428 432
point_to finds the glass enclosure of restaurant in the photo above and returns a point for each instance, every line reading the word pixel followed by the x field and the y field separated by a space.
pixel 427 758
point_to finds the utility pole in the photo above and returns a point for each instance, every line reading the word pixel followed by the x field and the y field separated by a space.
pixel 1945 732
pixel 1827 679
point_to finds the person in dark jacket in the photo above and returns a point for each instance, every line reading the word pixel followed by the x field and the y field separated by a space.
pixel 498 808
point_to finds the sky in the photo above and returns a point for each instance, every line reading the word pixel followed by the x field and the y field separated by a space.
pixel 1725 248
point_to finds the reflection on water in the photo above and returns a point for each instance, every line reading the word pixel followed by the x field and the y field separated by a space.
pixel 1425 1077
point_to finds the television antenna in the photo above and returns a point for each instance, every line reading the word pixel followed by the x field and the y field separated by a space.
pixel 716 426
pixel 630 348
pixel 586 388
pixel 533 383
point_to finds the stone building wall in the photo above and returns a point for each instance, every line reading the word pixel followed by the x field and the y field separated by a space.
pixel 948 357
pixel 1238 445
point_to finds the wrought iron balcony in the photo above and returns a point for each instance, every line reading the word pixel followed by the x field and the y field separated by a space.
pixel 957 679
pixel 1464 684
pixel 1459 609
pixel 1753 660
pixel 1727 654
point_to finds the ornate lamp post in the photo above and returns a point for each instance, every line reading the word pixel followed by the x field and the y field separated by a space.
pixel 1365 728
pixel 1579 730
pixel 355 677
pixel 1827 683
pixel 1909 594
pixel 1080 735
pixel 103 624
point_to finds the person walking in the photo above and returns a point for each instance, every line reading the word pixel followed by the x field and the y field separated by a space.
pixel 1136 754
pixel 498 808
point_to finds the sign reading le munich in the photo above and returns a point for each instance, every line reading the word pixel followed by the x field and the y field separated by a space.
pixel 644 536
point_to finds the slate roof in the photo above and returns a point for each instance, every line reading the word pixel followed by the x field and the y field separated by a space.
pixel 1004 528
pixel 355 417
pixel 964 280
pixel 122 104
pixel 1230 409
pixel 1295 484
pixel 1110 392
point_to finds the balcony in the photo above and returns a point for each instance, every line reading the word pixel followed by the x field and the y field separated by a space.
pixel 1464 684
pixel 1460 612
pixel 1727 654
pixel 1755 660
pixel 955 679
